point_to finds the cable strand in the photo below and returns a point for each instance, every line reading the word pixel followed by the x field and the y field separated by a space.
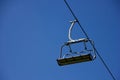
pixel 90 41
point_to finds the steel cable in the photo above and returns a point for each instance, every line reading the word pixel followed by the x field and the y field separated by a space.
pixel 90 41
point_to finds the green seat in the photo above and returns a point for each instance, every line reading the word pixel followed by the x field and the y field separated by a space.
pixel 73 60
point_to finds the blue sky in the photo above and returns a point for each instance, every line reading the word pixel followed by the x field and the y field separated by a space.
pixel 32 32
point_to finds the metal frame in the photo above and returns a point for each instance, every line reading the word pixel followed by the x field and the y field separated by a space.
pixel 72 41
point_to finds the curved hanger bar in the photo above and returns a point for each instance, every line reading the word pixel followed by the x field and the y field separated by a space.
pixel 70 29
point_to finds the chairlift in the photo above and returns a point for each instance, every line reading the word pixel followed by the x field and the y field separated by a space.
pixel 76 57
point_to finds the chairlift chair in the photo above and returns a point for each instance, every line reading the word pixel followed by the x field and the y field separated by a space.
pixel 80 56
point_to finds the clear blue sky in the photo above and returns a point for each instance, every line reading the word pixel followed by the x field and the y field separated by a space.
pixel 32 32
